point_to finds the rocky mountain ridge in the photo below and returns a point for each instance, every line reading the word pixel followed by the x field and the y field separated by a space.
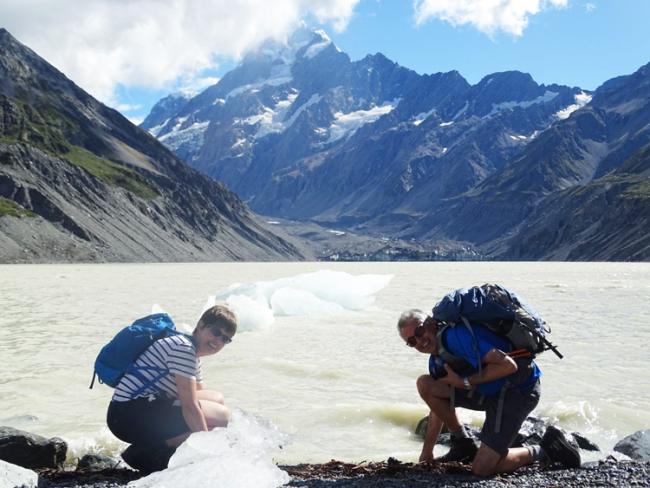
pixel 87 185
pixel 302 132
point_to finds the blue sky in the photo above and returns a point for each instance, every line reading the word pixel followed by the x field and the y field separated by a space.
pixel 577 45
pixel 131 53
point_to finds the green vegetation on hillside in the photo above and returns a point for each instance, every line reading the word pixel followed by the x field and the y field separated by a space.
pixel 110 172
pixel 639 190
pixel 47 130
pixel 11 208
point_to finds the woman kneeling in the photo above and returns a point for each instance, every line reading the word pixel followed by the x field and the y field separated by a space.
pixel 162 401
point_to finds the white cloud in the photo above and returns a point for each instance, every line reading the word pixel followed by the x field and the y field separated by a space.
pixel 488 16
pixel 196 85
pixel 126 107
pixel 151 43
pixel 136 120
pixel 590 7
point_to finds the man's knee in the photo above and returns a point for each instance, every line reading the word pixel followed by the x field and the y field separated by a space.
pixel 485 461
pixel 425 385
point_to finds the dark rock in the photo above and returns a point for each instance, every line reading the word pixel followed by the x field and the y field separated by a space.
pixel 531 432
pixel 421 428
pixel 96 462
pixel 583 442
pixel 31 450
pixel 636 446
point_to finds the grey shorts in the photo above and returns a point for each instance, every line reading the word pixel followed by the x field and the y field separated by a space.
pixel 516 407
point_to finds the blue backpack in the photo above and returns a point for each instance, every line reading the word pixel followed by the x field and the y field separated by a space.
pixel 502 312
pixel 118 356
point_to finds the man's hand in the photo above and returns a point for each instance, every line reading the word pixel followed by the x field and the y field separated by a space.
pixel 452 379
pixel 426 456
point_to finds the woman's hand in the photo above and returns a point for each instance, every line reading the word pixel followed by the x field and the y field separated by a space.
pixel 190 406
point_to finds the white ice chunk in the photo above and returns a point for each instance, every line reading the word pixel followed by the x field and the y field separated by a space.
pixel 321 292
pixel 294 301
pixel 239 456
pixel 249 304
pixel 344 125
pixel 581 100
pixel 12 476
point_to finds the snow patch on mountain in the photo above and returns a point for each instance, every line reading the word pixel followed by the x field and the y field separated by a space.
pixel 191 135
pixel 280 75
pixel 524 138
pixel 421 117
pixel 273 119
pixel 344 125
pixel 581 100
pixel 462 110
pixel 315 48
pixel 154 131
pixel 285 55
pixel 546 97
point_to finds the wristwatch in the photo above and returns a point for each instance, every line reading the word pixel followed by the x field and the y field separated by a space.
pixel 466 383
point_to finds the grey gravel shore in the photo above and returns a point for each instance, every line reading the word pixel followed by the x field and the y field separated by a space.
pixel 394 474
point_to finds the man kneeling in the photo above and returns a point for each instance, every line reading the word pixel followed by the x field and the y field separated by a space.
pixel 483 377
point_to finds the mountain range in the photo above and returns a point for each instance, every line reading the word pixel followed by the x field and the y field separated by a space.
pixel 507 168
pixel 79 182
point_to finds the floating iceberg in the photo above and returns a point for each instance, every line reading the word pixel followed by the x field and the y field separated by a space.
pixel 238 456
pixel 318 293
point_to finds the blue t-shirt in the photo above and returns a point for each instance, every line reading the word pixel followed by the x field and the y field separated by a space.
pixel 460 342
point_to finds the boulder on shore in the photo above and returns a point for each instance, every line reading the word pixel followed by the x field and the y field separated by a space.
pixel 31 450
pixel 96 462
pixel 12 476
pixel 636 446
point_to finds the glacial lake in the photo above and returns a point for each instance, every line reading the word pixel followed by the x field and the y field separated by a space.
pixel 338 382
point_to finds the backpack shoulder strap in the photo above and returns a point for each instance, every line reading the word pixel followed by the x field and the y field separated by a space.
pixel 455 362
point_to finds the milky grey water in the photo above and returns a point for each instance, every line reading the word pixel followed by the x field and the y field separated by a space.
pixel 340 384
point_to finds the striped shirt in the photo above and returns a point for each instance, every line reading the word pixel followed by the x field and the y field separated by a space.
pixel 157 365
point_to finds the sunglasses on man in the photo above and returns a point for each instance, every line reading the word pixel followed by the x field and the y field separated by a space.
pixel 417 333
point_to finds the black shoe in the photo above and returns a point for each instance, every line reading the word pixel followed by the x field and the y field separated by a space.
pixel 461 450
pixel 147 459
pixel 558 449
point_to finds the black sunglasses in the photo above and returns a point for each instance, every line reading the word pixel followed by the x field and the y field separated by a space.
pixel 417 333
pixel 222 337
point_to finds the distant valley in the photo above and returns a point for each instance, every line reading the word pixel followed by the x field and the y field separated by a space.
pixel 337 159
